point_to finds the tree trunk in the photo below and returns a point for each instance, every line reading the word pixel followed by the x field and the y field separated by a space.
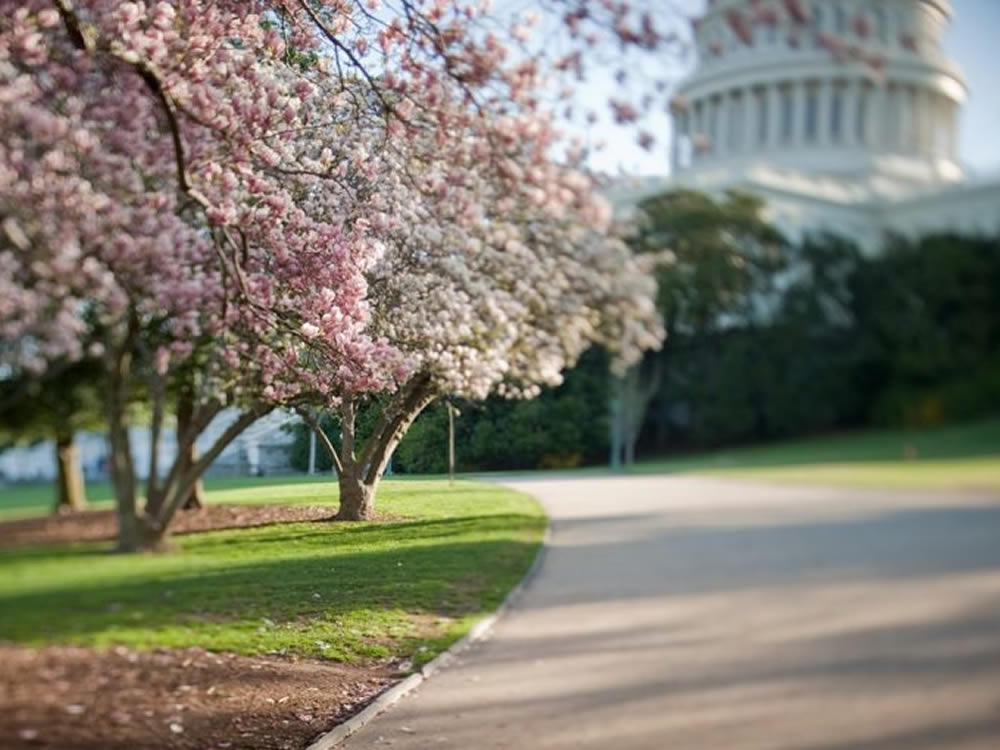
pixel 357 498
pixel 195 499
pixel 630 449
pixel 136 532
pixel 615 417
pixel 630 398
pixel 70 494
pixel 358 476
pixel 188 458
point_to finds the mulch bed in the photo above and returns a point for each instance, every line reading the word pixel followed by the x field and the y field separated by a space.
pixel 100 525
pixel 120 699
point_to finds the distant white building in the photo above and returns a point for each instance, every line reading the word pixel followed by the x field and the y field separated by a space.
pixel 262 449
pixel 845 121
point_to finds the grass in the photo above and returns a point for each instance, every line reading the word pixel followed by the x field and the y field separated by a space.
pixel 32 499
pixel 963 456
pixel 346 592
pixel 940 474
pixel 953 456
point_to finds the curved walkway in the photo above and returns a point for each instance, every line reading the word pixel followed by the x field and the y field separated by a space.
pixel 690 613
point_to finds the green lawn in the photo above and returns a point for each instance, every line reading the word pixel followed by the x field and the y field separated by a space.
pixel 955 456
pixel 20 500
pixel 348 592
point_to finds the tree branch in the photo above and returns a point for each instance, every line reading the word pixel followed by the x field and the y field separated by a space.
pixel 183 487
pixel 347 425
pixel 380 444
pixel 72 24
pixel 199 421
pixel 314 425
pixel 157 391
pixel 387 416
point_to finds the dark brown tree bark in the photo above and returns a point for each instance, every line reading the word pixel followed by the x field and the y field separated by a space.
pixel 142 530
pixel 196 497
pixel 70 493
pixel 189 457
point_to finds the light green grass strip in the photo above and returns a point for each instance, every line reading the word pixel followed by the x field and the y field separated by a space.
pixel 958 456
pixel 347 592
pixel 957 474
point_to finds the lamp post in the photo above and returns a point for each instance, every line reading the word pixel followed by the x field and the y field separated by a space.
pixel 452 413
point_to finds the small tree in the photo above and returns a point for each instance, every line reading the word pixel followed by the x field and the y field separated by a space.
pixel 55 408
pixel 154 205
pixel 498 288
pixel 217 183
pixel 725 258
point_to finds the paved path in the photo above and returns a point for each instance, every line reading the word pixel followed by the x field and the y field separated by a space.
pixel 697 614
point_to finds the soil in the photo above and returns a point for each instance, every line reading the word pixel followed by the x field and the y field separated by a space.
pixel 120 699
pixel 183 699
pixel 100 525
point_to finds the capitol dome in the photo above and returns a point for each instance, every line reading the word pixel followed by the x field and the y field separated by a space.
pixel 842 114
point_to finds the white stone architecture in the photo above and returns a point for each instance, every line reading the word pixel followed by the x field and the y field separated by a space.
pixel 841 114
pixel 262 449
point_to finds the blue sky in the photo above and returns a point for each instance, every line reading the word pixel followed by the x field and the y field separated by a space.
pixel 972 42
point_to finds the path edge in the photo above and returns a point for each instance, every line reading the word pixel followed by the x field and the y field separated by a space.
pixel 385 700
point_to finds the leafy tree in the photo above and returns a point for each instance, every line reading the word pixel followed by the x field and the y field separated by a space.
pixel 725 262
pixel 904 336
pixel 564 426
pixel 54 408
pixel 930 313
pixel 239 184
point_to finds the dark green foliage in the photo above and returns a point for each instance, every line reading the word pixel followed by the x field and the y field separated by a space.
pixel 33 408
pixel 299 452
pixel 726 259
pixel 931 311
pixel 766 341
pixel 907 337
pixel 563 427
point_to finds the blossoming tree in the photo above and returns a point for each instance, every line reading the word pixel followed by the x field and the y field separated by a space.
pixel 249 201
pixel 498 271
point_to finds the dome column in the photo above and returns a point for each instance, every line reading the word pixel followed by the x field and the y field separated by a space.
pixel 878 122
pixel 721 146
pixel 824 112
pixel 748 138
pixel 952 132
pixel 680 148
pixel 772 93
pixel 925 108
pixel 852 110
pixel 698 108
pixel 798 113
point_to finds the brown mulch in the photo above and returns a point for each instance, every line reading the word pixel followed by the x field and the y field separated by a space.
pixel 83 699
pixel 100 525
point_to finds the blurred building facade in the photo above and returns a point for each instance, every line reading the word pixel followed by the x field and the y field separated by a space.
pixel 262 449
pixel 842 114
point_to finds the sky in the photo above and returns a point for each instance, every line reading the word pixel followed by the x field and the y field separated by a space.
pixel 971 42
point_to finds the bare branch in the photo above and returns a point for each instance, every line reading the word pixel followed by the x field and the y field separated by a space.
pixel 182 488
pixel 310 419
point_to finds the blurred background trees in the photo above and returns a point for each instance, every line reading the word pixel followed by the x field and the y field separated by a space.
pixel 54 408
pixel 766 340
